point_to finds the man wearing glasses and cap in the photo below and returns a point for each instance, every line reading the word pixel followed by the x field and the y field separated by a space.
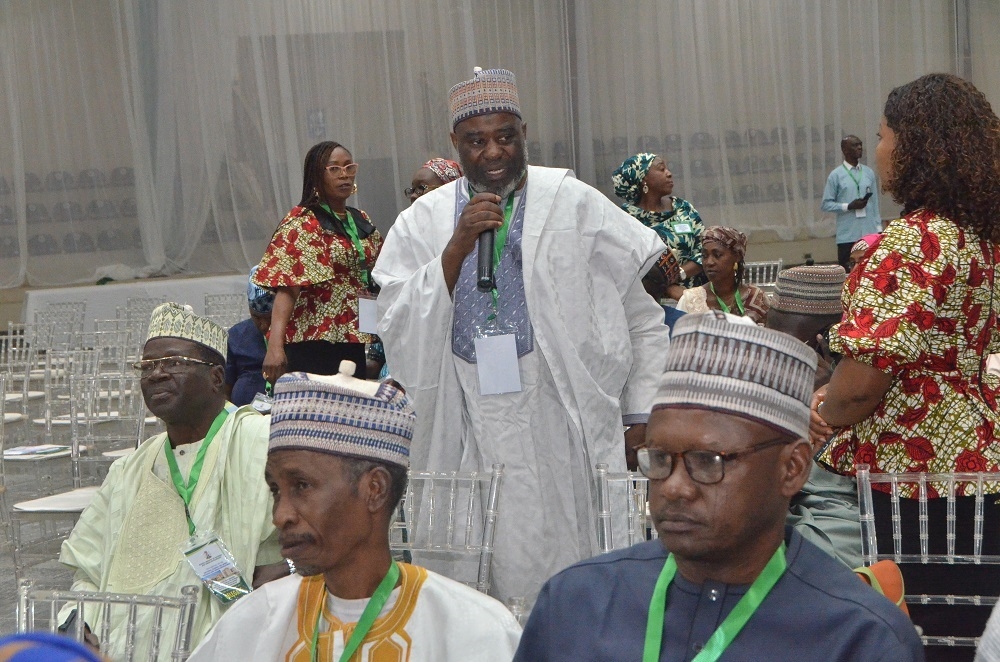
pixel 726 449
pixel 186 502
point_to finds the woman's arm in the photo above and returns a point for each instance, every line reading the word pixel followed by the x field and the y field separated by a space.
pixel 853 394
pixel 275 362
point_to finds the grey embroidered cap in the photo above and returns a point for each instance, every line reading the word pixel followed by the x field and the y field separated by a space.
pixel 748 371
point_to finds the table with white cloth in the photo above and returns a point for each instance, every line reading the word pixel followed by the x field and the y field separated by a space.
pixel 104 300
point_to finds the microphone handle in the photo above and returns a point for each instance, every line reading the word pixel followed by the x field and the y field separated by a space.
pixel 484 272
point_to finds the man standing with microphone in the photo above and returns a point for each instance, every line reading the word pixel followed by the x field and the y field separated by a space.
pixel 541 370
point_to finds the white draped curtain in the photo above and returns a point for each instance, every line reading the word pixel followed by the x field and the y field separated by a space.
pixel 149 137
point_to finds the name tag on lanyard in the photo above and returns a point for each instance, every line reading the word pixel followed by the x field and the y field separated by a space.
pixel 496 361
pixel 367 314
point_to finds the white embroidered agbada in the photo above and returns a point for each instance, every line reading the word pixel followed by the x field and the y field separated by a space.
pixel 128 540
pixel 428 618
pixel 599 343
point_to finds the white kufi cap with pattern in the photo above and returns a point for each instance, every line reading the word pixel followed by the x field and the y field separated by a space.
pixel 743 370
pixel 341 415
pixel 172 320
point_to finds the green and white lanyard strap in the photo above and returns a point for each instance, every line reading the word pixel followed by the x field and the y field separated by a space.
pixel 352 232
pixel 498 246
pixel 722 304
pixel 368 616
pixel 730 627
pixel 856 180
pixel 186 490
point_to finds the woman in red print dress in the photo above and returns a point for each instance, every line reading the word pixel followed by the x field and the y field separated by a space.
pixel 318 263
pixel 912 392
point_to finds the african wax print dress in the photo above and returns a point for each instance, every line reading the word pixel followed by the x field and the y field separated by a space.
pixel 920 307
pixel 680 228
pixel 326 265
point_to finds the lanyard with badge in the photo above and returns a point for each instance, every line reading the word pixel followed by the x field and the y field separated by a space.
pixel 367 308
pixel 496 344
pixel 368 616
pixel 205 552
pixel 860 213
pixel 730 627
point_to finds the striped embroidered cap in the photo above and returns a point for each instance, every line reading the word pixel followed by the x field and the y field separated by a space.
pixel 172 320
pixel 489 91
pixel 810 290
pixel 341 415
pixel 739 369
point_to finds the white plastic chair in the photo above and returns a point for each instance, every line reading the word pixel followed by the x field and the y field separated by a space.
pixel 622 511
pixel 226 309
pixel 151 630
pixel 947 485
pixel 450 516
pixel 763 274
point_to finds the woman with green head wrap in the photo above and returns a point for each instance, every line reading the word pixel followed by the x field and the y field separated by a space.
pixel 645 184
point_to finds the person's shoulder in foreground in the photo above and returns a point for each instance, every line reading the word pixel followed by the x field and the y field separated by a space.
pixel 819 610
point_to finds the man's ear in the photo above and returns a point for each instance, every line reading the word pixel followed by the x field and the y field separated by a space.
pixel 454 140
pixel 218 377
pixel 378 485
pixel 797 463
pixel 524 130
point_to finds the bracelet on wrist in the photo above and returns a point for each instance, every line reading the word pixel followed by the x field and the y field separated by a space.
pixel 291 566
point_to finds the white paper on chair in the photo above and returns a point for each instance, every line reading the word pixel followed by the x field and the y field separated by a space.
pixel 73 501
pixel 42 450
pixel 17 397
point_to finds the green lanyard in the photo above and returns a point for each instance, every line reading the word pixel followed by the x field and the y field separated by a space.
pixel 267 384
pixel 187 490
pixel 368 616
pixel 722 304
pixel 725 633
pixel 857 180
pixel 498 246
pixel 352 232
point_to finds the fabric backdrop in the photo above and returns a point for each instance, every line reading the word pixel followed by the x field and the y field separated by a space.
pixel 142 137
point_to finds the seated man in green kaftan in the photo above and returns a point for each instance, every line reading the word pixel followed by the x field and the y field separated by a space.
pixel 203 477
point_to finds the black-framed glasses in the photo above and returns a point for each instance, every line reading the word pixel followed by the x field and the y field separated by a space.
pixel 705 467
pixel 420 189
pixel 350 169
pixel 169 364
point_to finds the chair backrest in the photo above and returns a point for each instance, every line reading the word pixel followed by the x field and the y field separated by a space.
pixel 622 516
pixel 151 625
pixel 920 485
pixel 67 320
pixel 450 514
pixel 226 309
pixel 107 413
pixel 763 274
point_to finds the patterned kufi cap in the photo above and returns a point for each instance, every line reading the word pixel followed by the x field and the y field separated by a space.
pixel 444 169
pixel 731 238
pixel 739 369
pixel 172 320
pixel 341 415
pixel 628 177
pixel 261 301
pixel 810 290
pixel 489 91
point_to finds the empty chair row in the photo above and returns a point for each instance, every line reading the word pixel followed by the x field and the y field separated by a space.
pixel 63 180
pixel 44 243
pixel 66 211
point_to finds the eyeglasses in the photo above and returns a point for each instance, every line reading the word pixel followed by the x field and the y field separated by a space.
pixel 705 467
pixel 419 190
pixel 350 169
pixel 169 364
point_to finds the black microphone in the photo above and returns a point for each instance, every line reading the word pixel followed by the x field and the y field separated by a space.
pixel 484 273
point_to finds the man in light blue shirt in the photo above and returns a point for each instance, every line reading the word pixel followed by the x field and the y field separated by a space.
pixel 852 194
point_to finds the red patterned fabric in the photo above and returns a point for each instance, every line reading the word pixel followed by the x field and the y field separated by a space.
pixel 326 266
pixel 921 307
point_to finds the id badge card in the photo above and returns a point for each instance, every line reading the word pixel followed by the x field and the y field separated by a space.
pixel 861 213
pixel 496 360
pixel 681 228
pixel 262 403
pixel 215 566
pixel 367 313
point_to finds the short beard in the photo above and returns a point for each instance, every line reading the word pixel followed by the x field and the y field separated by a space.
pixel 506 189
